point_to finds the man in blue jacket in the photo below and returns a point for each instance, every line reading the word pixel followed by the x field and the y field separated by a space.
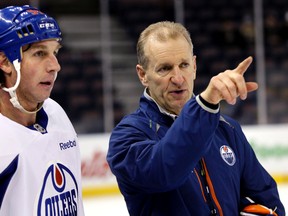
pixel 176 155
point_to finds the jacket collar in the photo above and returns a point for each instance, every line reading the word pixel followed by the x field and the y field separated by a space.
pixel 153 111
pixel 162 110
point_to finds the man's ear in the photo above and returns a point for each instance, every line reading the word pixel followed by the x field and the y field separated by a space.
pixel 5 65
pixel 194 67
pixel 142 75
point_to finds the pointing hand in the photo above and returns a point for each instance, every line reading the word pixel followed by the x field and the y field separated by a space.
pixel 229 85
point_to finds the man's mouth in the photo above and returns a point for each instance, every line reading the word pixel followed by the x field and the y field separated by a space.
pixel 178 92
pixel 46 83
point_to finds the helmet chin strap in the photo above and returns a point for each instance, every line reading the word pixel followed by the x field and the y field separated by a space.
pixel 12 91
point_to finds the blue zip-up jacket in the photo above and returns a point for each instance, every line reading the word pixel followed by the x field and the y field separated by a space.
pixel 200 164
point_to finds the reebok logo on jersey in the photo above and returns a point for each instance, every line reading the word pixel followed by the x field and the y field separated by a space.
pixel 59 193
pixel 67 145
pixel 227 155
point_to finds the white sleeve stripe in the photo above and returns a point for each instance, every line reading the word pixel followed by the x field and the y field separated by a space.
pixel 205 107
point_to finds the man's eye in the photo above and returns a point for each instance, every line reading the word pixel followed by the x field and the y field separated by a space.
pixel 164 69
pixel 184 65
pixel 39 53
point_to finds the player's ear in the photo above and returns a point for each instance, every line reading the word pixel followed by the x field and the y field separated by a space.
pixel 5 65
pixel 142 75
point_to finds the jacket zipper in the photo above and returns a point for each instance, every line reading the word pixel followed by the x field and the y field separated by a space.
pixel 208 190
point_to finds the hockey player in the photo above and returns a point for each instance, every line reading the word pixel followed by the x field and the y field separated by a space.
pixel 40 163
pixel 177 155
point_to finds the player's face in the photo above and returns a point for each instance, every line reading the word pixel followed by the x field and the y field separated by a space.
pixel 39 69
pixel 171 73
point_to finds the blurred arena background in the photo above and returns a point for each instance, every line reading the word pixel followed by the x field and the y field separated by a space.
pixel 98 84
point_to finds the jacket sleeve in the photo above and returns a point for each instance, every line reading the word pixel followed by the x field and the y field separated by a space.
pixel 138 157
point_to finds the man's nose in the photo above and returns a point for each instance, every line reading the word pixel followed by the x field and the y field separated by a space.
pixel 177 76
pixel 53 64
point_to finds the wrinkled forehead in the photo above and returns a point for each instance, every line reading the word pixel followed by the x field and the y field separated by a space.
pixel 177 48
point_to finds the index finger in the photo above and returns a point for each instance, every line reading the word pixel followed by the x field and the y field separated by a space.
pixel 243 66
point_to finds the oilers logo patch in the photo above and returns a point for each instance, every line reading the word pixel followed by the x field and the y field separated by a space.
pixel 59 192
pixel 227 155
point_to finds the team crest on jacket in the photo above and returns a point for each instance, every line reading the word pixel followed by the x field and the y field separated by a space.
pixel 227 155
pixel 59 192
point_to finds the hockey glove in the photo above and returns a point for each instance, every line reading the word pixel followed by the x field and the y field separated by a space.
pixel 254 209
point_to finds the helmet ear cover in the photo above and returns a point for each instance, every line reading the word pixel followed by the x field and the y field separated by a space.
pixel 24 25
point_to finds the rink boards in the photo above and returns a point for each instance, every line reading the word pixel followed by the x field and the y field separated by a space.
pixel 270 143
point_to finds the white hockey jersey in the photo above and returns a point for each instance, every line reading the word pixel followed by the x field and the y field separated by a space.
pixel 40 166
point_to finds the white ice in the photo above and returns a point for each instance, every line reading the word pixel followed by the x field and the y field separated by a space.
pixel 115 205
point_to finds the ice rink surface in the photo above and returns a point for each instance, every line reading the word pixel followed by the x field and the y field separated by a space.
pixel 115 205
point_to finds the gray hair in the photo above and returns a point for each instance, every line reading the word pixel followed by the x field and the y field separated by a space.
pixel 162 31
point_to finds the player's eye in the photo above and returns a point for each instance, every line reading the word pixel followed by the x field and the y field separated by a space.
pixel 39 53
